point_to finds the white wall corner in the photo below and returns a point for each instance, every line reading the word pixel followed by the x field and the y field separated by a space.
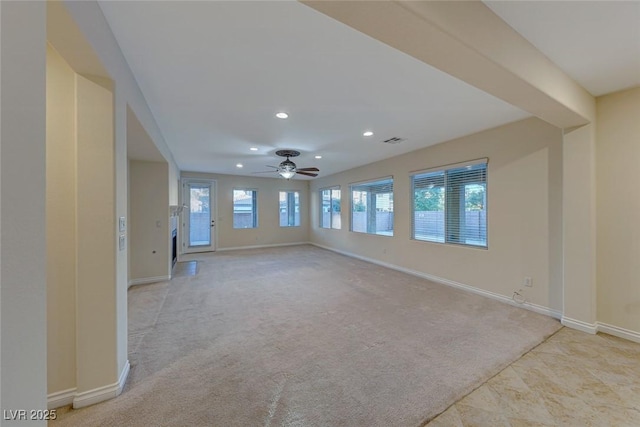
pixel 590 328
pixel 101 394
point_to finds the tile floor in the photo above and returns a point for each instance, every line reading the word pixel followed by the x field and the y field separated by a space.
pixel 572 379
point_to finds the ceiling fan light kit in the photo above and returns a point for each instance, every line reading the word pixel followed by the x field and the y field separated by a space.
pixel 287 169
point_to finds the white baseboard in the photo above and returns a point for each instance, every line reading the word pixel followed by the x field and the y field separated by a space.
pixel 101 394
pixel 61 398
pixel 122 380
pixel 275 245
pixel 619 332
pixel 590 328
pixel 527 305
pixel 147 280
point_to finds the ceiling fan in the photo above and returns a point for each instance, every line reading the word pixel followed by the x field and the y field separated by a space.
pixel 287 169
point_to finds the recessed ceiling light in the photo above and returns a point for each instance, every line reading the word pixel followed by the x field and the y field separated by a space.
pixel 318 157
pixel 282 115
pixel 367 133
pixel 239 165
pixel 253 149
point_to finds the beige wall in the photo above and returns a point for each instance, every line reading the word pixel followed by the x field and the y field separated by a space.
pixel 149 220
pixel 96 228
pixel 524 221
pixel 79 32
pixel 82 35
pixel 82 234
pixel 618 209
pixel 23 347
pixel 579 229
pixel 61 224
pixel 81 248
pixel 269 231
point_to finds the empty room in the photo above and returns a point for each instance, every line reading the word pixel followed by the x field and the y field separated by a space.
pixel 320 213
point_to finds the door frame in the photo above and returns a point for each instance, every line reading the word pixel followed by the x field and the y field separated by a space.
pixel 213 206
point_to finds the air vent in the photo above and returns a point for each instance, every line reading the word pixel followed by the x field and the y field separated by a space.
pixel 394 140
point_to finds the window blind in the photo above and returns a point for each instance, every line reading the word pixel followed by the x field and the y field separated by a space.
pixel 450 205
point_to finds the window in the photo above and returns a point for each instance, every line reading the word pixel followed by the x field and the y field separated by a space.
pixel 450 205
pixel 245 208
pixel 372 207
pixel 289 209
pixel 330 208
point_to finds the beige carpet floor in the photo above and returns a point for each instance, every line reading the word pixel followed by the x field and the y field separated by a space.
pixel 301 336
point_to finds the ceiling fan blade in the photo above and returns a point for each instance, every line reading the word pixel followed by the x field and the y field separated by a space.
pixel 269 166
pixel 309 169
pixel 306 173
pixel 265 172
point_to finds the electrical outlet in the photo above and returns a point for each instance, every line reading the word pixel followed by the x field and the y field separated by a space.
pixel 527 281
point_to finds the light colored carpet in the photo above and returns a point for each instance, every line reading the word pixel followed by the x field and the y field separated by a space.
pixel 301 336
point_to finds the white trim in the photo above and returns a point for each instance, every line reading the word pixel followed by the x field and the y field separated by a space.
pixel 619 332
pixel 527 305
pixel 147 280
pixel 101 394
pixel 60 398
pixel 275 245
pixel 123 377
pixel 590 328
pixel 481 160
pixel 370 181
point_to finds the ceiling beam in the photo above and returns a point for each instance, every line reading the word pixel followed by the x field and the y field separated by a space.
pixel 466 40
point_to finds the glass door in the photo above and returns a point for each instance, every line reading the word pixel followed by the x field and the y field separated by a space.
pixel 198 216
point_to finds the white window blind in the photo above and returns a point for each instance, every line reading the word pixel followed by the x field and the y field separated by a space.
pixel 372 207
pixel 450 205
pixel 428 206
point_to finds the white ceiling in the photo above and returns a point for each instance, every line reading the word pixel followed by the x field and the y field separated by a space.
pixel 215 73
pixel 595 42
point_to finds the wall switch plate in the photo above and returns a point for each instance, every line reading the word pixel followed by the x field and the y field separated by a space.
pixel 527 281
pixel 121 242
pixel 121 224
